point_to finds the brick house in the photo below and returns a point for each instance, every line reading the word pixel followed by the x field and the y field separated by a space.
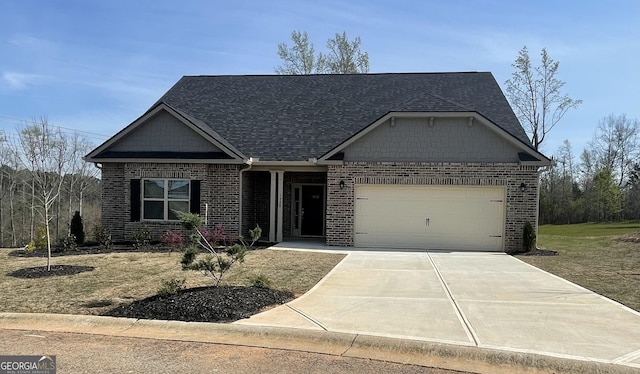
pixel 410 160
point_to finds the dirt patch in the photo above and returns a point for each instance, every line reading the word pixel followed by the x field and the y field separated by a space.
pixel 56 270
pixel 628 238
pixel 205 304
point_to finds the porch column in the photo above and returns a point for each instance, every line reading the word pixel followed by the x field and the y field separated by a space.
pixel 276 206
pixel 280 205
pixel 272 208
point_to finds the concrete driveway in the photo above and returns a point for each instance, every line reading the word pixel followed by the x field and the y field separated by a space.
pixel 489 300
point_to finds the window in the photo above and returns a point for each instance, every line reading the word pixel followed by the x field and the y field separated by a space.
pixel 161 197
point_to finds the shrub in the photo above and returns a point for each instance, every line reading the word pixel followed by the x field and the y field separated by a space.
pixel 142 238
pixel 77 228
pixel 40 239
pixel 260 281
pixel 171 287
pixel 70 243
pixel 30 247
pixel 216 237
pixel 102 235
pixel 528 238
pixel 218 260
pixel 174 240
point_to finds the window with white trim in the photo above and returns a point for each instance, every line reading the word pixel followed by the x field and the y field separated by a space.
pixel 161 197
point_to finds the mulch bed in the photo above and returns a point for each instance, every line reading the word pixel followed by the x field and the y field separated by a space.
pixel 116 248
pixel 540 252
pixel 205 304
pixel 56 270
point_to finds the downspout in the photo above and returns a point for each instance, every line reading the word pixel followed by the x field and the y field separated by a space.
pixel 250 163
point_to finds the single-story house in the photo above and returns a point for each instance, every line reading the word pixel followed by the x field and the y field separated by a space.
pixel 410 160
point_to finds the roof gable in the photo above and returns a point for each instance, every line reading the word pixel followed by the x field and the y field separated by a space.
pixel 433 137
pixel 164 134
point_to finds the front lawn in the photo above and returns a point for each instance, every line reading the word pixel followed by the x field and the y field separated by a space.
pixel 121 278
pixel 592 256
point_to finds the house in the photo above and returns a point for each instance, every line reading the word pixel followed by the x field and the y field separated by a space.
pixel 410 160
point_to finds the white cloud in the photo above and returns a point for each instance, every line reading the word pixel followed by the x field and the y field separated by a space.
pixel 18 81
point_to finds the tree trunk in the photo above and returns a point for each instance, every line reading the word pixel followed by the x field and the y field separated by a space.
pixel 33 208
pixel 46 223
pixel 12 223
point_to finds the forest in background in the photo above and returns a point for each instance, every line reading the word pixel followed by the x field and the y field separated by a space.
pixel 602 184
pixel 44 180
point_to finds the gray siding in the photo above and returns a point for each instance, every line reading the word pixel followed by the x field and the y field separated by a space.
pixel 448 140
pixel 163 132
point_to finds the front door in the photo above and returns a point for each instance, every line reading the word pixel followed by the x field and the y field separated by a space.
pixel 308 207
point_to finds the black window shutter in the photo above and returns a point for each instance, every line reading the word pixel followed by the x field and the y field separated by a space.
pixel 135 200
pixel 195 197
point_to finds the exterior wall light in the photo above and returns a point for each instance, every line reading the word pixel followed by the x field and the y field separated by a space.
pixel 523 187
pixel 342 185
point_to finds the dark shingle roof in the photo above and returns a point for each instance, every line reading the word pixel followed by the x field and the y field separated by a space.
pixel 290 118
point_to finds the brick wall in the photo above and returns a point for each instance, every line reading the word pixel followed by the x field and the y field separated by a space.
pixel 520 207
pixel 219 189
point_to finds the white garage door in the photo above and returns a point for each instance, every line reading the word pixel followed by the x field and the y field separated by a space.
pixel 430 217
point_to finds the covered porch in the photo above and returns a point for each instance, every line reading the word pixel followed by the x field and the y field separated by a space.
pixel 285 203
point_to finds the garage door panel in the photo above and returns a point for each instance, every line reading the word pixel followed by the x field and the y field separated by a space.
pixel 429 217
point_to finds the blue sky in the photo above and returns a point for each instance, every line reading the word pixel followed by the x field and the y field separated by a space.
pixel 96 66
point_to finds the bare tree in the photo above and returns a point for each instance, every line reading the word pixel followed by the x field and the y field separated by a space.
pixel 77 180
pixel 343 56
pixel 44 153
pixel 617 145
pixel 534 93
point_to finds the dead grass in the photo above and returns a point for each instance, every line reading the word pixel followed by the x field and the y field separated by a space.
pixel 123 277
pixel 600 263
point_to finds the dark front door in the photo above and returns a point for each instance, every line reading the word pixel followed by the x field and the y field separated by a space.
pixel 312 216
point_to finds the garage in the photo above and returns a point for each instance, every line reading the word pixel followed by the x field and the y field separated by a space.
pixel 429 217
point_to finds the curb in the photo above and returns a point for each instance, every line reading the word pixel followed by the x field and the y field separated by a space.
pixel 445 356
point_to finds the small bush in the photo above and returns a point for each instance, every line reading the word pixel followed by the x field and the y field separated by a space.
pixel 174 240
pixel 30 247
pixel 40 240
pixel 260 281
pixel 216 237
pixel 171 287
pixel 142 238
pixel 70 243
pixel 102 235
pixel 77 228
pixel 528 238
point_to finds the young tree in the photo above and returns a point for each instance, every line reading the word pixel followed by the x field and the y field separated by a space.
pixel 534 93
pixel 43 153
pixel 343 56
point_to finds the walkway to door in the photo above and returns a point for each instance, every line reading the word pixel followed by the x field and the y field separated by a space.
pixel 482 299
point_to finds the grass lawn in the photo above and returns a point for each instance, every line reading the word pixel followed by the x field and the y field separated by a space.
pixel 123 277
pixel 590 255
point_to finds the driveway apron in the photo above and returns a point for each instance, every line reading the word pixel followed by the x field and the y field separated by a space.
pixel 489 300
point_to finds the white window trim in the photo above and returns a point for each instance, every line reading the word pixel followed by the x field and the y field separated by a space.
pixel 165 199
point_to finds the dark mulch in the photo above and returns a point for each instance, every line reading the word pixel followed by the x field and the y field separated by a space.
pixel 205 304
pixel 540 252
pixel 56 270
pixel 116 248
